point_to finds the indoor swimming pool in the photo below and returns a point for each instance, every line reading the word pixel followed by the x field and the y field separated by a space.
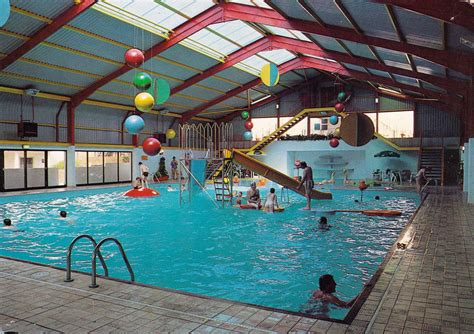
pixel 271 260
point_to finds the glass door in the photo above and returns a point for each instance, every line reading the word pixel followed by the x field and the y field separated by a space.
pixel 13 170
pixel 35 164
pixel 56 168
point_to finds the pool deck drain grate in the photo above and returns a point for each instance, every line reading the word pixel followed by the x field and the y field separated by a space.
pixel 427 288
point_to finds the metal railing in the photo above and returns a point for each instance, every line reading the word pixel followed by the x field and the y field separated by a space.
pixel 69 253
pixel 94 262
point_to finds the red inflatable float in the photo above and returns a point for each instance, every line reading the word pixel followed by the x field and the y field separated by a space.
pixel 248 206
pixel 143 192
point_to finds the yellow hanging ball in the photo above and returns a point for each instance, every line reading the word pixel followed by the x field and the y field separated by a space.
pixel 170 134
pixel 144 101
pixel 226 180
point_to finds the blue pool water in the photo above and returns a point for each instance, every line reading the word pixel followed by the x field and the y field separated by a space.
pixel 272 260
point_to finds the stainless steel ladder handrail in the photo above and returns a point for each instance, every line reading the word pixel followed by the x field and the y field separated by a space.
pixel 69 253
pixel 94 262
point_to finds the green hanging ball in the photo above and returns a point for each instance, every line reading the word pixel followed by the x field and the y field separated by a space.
pixel 244 115
pixel 341 97
pixel 142 81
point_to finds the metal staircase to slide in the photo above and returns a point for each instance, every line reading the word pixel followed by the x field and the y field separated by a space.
pixel 288 125
pixel 432 160
pixel 222 181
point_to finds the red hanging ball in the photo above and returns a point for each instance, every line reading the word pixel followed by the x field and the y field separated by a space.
pixel 249 125
pixel 134 57
pixel 339 107
pixel 334 142
pixel 151 146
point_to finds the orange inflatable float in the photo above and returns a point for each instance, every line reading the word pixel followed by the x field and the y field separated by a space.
pixel 142 192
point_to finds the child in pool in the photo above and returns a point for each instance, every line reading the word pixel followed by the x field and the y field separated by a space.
pixel 271 201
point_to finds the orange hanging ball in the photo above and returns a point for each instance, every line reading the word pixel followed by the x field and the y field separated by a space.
pixel 151 146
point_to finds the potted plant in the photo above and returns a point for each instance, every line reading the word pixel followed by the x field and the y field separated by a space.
pixel 161 174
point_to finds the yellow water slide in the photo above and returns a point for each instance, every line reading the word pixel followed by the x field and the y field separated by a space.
pixel 274 175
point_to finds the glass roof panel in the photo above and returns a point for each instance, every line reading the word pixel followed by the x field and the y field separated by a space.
pixel 322 58
pixel 287 33
pixel 207 39
pixel 257 3
pixel 165 13
pixel 254 64
pixel 277 56
pixel 222 39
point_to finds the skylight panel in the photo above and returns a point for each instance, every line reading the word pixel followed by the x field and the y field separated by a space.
pixel 254 64
pixel 287 33
pixel 277 56
pixel 190 8
pixel 207 39
pixel 255 3
pixel 168 14
pixel 128 11
pixel 321 58
pixel 237 31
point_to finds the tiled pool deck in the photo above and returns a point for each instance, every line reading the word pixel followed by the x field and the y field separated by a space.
pixel 427 288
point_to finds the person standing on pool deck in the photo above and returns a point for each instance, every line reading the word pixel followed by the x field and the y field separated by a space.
pixel 307 181
pixel 174 168
pixel 420 179
pixel 144 174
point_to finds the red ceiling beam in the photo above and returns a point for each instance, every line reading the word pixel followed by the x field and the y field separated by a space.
pixel 314 50
pixel 455 60
pixel 232 115
pixel 232 59
pixel 457 12
pixel 283 68
pixel 45 32
pixel 208 17
pixel 320 64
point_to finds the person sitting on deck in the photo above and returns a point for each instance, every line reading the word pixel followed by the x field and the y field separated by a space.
pixel 137 184
pixel 253 196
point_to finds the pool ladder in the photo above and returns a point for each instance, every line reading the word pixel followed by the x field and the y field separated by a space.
pixel 96 253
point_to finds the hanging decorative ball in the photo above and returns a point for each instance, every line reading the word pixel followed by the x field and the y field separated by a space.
pixel 162 90
pixel 249 125
pixel 144 101
pixel 170 133
pixel 4 12
pixel 134 57
pixel 270 75
pixel 339 107
pixel 333 119
pixel 334 142
pixel 337 132
pixel 142 81
pixel 151 146
pixel 134 124
pixel 341 97
pixel 244 115
pixel 248 135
